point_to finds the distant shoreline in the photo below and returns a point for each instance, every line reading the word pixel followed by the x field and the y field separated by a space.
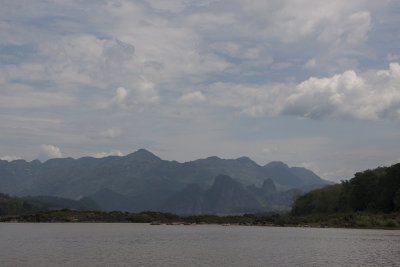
pixel 347 220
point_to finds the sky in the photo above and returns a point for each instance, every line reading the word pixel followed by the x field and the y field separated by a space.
pixel 311 83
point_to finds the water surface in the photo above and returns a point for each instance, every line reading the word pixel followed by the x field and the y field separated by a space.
pixel 124 244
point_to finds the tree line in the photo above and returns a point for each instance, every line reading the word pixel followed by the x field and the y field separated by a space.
pixel 373 191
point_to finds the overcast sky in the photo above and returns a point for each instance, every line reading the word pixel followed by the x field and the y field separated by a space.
pixel 308 82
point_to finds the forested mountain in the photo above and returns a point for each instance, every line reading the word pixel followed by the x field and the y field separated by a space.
pixel 143 181
pixel 375 190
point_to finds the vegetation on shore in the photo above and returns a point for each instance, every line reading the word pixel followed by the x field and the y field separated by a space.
pixel 343 220
pixel 371 191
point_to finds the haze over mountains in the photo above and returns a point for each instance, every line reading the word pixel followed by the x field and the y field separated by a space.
pixel 142 181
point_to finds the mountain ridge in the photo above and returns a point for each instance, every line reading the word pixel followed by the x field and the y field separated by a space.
pixel 141 180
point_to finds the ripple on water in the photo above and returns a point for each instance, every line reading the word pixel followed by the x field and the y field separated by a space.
pixel 102 244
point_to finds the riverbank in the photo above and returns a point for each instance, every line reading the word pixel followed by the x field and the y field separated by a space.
pixel 343 220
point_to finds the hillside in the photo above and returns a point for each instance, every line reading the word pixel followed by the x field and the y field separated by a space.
pixel 15 206
pixel 375 190
pixel 142 181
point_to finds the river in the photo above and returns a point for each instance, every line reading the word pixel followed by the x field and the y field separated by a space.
pixel 125 244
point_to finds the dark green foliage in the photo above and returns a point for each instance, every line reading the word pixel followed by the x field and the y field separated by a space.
pixel 396 200
pixel 325 200
pixel 372 190
pixel 14 206
pixel 350 220
pixel 10 205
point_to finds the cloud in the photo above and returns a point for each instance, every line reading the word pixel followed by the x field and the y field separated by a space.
pixel 159 64
pixel 334 96
pixel 19 96
pixel 120 96
pixel 72 60
pixel 143 93
pixel 106 154
pixel 192 98
pixel 49 152
pixel 311 64
pixel 281 65
pixel 372 95
pixel 251 100
pixel 113 132
pixel 294 20
pixel 9 158
pixel 174 6
pixel 332 31
pixel 126 43
pixel 88 60
pixel 270 150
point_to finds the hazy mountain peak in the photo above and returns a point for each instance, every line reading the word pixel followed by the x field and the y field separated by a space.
pixel 276 164
pixel 213 158
pixel 35 161
pixel 141 180
pixel 246 160
pixel 142 153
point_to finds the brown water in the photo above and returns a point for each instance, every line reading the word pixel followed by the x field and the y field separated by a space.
pixel 101 244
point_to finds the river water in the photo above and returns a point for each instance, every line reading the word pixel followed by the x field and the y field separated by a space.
pixel 125 244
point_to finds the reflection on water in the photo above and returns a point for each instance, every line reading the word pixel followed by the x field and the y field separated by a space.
pixel 114 244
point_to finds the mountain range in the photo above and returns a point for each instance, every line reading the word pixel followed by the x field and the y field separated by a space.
pixel 142 181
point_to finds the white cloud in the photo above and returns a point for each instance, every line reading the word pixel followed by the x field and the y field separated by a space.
pixel 254 111
pixel 62 60
pixel 252 100
pixel 88 60
pixel 294 20
pixel 120 96
pixel 143 93
pixel 112 133
pixel 19 96
pixel 9 158
pixel 328 30
pixel 49 152
pixel 358 25
pixel 372 95
pixel 106 154
pixel 311 64
pixel 270 150
pixel 227 48
pixel 192 98
pixel 135 43
pixel 334 96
